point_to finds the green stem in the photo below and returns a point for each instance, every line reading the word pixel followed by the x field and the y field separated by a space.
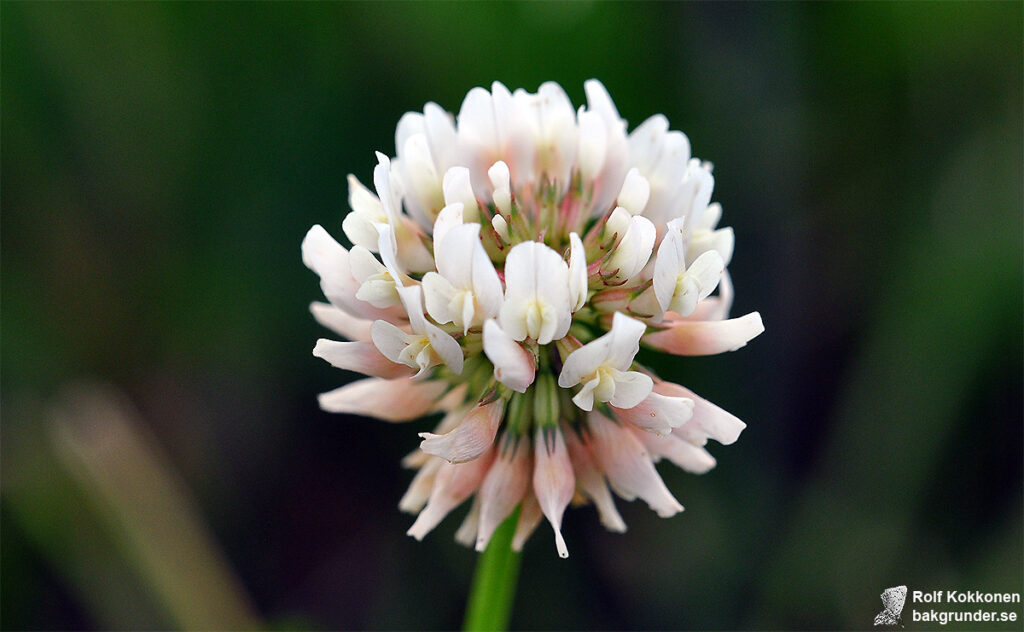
pixel 494 582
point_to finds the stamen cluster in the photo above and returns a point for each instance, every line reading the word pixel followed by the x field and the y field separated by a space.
pixel 505 272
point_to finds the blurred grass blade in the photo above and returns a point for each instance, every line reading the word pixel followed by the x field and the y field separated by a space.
pixel 154 519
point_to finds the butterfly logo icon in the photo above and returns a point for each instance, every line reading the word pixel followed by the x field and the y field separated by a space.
pixel 893 600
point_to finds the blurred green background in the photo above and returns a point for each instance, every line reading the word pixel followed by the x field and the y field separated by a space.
pixel 162 162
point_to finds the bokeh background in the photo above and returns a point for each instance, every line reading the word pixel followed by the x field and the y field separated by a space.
pixel 164 461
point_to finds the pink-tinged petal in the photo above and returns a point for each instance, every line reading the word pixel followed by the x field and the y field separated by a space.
pixel 325 256
pixel 505 485
pixel 455 482
pixel 591 483
pixel 466 533
pixel 529 517
pixel 400 399
pixel 691 458
pixel 708 420
pixel 631 388
pixel 696 338
pixel 420 487
pixel 513 365
pixel 341 322
pixel 360 356
pixel 628 466
pixel 471 438
pixel 657 413
pixel 553 481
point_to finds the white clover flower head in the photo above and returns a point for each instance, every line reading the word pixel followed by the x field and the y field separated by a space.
pixel 505 272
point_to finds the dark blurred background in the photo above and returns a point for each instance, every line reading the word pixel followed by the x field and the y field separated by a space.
pixel 164 460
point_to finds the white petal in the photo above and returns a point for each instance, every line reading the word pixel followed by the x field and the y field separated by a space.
pixel 446 347
pixel 585 397
pixel 624 340
pixel 459 190
pixel 366 211
pixel 698 282
pixel 389 339
pixel 668 265
pixel 635 192
pixel 455 256
pixel 400 399
pixel 441 342
pixel 694 338
pixel 608 183
pixel 631 388
pixel 325 256
pixel 364 264
pixel 628 466
pixel 633 251
pixel 438 294
pixel 513 365
pixel 360 356
pixel 708 420
pixel 449 217
pixel 470 438
pixel 498 174
pixel 577 273
pixel 440 130
pixel 721 241
pixel 553 480
pixel 536 302
pixel 455 482
pixel 593 144
pixel 657 413
pixel 505 485
pixel 584 361
pixel 341 322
